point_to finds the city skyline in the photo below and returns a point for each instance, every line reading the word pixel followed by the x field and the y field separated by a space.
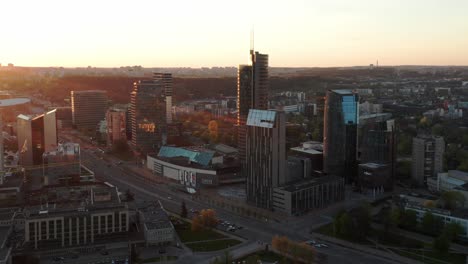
pixel 208 33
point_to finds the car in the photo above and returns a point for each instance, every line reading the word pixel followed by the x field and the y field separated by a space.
pixel 119 163
pixel 311 242
pixel 169 198
pixel 318 245
pixel 324 245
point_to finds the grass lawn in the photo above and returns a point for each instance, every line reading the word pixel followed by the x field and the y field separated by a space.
pixel 213 245
pixel 187 235
pixel 158 259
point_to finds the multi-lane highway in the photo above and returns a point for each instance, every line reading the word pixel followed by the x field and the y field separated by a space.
pixel 108 169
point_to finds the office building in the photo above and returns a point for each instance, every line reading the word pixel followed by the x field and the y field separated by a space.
pixel 313 151
pixel 88 109
pixel 341 117
pixel 297 198
pixel 428 158
pixel 194 167
pixel 166 79
pixel 148 114
pixel 252 93
pixel 157 226
pixel 377 144
pixel 77 216
pixel 116 125
pixel 265 155
pixel 374 178
pixel 453 180
pixel 36 135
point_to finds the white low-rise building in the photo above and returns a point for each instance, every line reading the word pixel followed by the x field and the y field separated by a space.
pixel 453 180
pixel 157 226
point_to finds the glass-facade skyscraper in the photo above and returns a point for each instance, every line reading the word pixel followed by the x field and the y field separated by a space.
pixel 265 155
pixel 252 93
pixel 341 115
pixel 148 116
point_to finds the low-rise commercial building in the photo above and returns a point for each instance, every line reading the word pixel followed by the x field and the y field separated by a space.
pixel 374 178
pixel 194 167
pixel 299 197
pixel 80 215
pixel 156 224
pixel 459 216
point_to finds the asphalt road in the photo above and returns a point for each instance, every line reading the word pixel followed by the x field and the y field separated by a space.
pixel 253 230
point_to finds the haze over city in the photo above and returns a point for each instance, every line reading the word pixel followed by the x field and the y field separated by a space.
pixel 217 33
pixel 243 132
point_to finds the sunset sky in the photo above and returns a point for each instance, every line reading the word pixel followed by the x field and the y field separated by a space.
pixel 177 33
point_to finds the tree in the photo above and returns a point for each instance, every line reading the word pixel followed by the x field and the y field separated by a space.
pixel 391 219
pixel 183 210
pixel 253 259
pixel 208 218
pixel 280 243
pixel 438 130
pixel 452 199
pixel 120 146
pixel 197 223
pixel 453 230
pixel 442 243
pixel 409 219
pixel 428 222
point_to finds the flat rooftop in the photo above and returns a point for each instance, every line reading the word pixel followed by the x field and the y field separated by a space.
pixel 307 183
pixel 154 216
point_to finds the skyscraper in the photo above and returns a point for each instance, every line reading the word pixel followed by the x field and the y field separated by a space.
pixel 88 108
pixel 166 79
pixel 428 157
pixel 148 114
pixel 341 117
pixel 36 135
pixel 252 93
pixel 265 166
pixel 116 125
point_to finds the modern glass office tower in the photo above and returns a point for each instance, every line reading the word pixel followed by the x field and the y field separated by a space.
pixel 88 109
pixel 265 165
pixel 166 79
pixel 36 135
pixel 252 93
pixel 148 116
pixel 341 115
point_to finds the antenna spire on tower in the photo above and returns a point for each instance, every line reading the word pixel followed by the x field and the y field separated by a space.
pixel 252 39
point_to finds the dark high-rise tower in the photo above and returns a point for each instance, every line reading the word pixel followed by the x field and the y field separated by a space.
pixel 166 79
pixel 252 93
pixel 265 155
pixel 148 115
pixel 88 108
pixel 341 115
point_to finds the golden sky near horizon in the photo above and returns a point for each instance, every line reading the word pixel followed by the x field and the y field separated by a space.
pixel 178 33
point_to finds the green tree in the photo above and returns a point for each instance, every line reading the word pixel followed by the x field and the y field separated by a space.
pixel 253 259
pixel 438 130
pixel 442 243
pixel 452 199
pixel 409 219
pixel 453 230
pixel 428 222
pixel 120 146
pixel 391 219
pixel 183 210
